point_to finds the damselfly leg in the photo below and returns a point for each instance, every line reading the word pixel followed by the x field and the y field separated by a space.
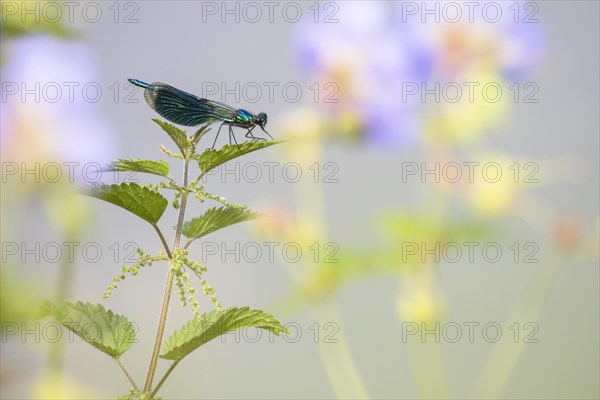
pixel 216 137
pixel 249 135
pixel 232 135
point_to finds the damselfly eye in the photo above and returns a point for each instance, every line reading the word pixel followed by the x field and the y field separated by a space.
pixel 262 118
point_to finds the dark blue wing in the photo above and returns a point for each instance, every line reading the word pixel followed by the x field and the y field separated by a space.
pixel 183 108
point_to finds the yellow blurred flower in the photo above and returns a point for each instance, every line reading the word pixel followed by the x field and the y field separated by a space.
pixel 346 124
pixel 492 198
pixel 469 107
pixel 495 184
pixel 418 301
pixel 317 281
pixel 67 210
pixel 59 386
pixel 300 124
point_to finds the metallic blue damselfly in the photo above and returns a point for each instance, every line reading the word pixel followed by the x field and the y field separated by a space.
pixel 185 109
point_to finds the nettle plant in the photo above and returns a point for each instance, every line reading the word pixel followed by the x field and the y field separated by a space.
pixel 114 334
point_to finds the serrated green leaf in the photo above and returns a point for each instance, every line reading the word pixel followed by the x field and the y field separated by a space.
pixel 214 324
pixel 141 201
pixel 215 219
pixel 178 136
pixel 212 158
pixel 111 333
pixel 147 166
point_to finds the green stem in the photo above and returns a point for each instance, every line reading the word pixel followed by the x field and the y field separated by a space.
pixel 195 181
pixel 429 373
pixel 505 355
pixel 337 358
pixel 164 378
pixel 135 386
pixel 427 363
pixel 162 239
pixel 65 279
pixel 341 369
pixel 169 286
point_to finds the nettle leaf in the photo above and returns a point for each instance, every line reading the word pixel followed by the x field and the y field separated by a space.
pixel 212 158
pixel 214 324
pixel 147 166
pixel 214 219
pixel 178 136
pixel 110 333
pixel 141 201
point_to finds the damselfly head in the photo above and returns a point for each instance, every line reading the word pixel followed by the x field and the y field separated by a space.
pixel 261 120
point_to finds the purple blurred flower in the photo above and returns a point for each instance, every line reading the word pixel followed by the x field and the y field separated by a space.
pixel 41 125
pixel 505 36
pixel 376 48
pixel 488 42
pixel 364 54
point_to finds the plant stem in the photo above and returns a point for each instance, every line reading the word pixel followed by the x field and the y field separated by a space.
pixel 169 285
pixel 164 378
pixel 65 281
pixel 504 357
pixel 135 386
pixel 162 239
pixel 337 359
pixel 340 367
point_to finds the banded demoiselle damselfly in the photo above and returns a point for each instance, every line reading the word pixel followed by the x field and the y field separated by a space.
pixel 185 109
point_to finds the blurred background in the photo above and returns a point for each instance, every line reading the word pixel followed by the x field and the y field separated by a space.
pixel 440 176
